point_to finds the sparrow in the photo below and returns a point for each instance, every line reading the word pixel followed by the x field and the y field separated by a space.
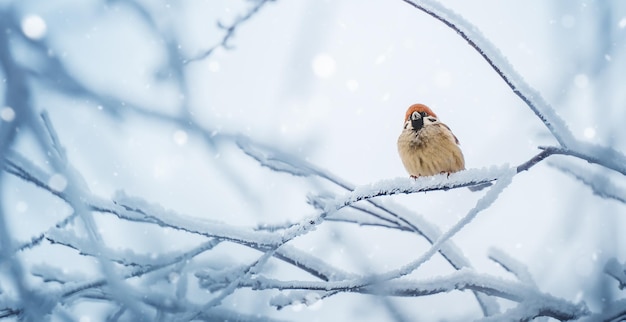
pixel 427 146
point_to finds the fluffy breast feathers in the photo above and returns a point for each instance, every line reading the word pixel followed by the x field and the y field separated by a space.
pixel 432 149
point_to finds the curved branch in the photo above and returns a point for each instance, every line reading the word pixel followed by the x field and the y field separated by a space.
pixel 230 32
pixel 502 67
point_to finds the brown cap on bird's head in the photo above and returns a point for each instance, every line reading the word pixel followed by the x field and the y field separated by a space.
pixel 418 108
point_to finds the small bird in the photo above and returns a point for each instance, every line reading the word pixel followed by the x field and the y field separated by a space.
pixel 427 146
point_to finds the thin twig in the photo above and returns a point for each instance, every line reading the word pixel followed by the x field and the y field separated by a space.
pixel 230 32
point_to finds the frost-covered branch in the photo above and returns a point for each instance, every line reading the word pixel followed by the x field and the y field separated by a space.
pixel 600 184
pixel 510 264
pixel 352 284
pixel 500 65
pixel 156 285
pixel 134 209
pixel 605 156
pixel 465 279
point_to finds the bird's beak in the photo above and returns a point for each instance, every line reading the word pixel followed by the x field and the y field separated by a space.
pixel 417 122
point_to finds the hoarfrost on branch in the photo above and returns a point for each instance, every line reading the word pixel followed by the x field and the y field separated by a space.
pixel 190 283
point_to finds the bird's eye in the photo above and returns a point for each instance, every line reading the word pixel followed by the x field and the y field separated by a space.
pixel 423 114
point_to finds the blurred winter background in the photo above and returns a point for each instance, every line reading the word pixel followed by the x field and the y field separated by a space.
pixel 150 98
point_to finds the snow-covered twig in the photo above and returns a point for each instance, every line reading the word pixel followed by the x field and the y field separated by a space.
pixel 591 153
pixel 500 65
pixel 76 288
pixel 421 184
pixel 76 189
pixel 510 264
pixel 600 184
pixel 279 161
pixel 231 286
pixel 133 209
pixel 464 279
pixel 125 257
pixel 137 210
pixel 55 143
pixel 274 242
pixel 604 156
pixel 482 203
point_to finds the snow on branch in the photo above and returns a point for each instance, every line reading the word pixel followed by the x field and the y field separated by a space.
pixel 138 210
pixel 600 184
pixel 510 264
pixel 422 184
pixel 490 197
pixel 605 156
pixel 272 243
pixel 500 64
pixel 465 279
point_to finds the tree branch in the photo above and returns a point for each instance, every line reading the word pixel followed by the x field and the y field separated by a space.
pixel 500 65
pixel 230 32
pixel 464 279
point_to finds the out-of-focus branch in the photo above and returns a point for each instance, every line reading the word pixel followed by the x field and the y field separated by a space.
pixel 17 96
pixel 464 279
pixel 133 209
pixel 510 264
pixel 8 312
pixel 229 31
pixel 599 155
pixel 148 214
pixel 145 213
pixel 600 184
pixel 484 202
pixel 613 312
pixel 616 270
pixel 275 242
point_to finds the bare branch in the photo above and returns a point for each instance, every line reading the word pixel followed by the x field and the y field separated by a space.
pixel 510 264
pixel 230 32
pixel 616 270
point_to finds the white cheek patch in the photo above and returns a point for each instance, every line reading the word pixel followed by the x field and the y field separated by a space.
pixel 430 120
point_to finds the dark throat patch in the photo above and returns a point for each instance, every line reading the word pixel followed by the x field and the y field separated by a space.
pixel 417 124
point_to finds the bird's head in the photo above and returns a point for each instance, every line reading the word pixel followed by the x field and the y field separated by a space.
pixel 417 116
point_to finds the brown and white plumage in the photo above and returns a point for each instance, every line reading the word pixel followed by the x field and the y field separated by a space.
pixel 427 146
